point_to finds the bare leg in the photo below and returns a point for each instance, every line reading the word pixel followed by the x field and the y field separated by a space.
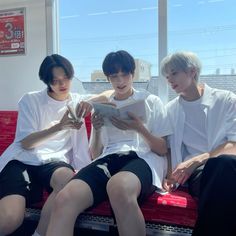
pixel 74 198
pixel 12 211
pixel 123 190
pixel 59 179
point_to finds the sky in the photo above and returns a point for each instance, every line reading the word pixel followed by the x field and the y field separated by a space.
pixel 91 29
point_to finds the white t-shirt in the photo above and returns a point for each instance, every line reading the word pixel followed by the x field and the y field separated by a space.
pixel 194 135
pixel 38 111
pixel 118 141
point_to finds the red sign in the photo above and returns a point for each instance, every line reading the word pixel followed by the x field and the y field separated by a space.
pixel 12 32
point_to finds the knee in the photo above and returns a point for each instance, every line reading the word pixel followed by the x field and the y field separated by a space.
pixel 62 199
pixel 10 221
pixel 67 202
pixel 60 178
pixel 119 192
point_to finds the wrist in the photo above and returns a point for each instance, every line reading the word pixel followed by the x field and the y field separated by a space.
pixel 141 129
pixel 201 159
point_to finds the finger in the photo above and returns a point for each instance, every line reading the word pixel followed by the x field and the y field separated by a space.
pixel 180 179
pixel 97 119
pixel 76 124
pixel 186 177
pixel 119 121
pixel 168 185
pixel 98 124
pixel 94 115
pixel 81 109
pixel 87 107
pixel 119 126
pixel 176 173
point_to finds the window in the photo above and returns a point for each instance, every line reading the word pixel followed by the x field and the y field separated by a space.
pixel 91 29
pixel 206 27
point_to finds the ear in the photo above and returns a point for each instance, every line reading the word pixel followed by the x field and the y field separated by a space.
pixel 193 72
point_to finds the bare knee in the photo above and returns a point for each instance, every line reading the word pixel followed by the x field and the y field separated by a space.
pixel 10 220
pixel 120 193
pixel 62 198
pixel 73 199
pixel 12 211
pixel 60 178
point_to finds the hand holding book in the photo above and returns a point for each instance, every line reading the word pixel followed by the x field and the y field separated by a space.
pixel 81 110
pixel 107 111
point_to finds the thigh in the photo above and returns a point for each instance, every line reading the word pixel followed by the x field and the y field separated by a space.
pixel 14 180
pixel 41 175
pixel 12 206
pixel 96 176
pixel 141 169
pixel 194 181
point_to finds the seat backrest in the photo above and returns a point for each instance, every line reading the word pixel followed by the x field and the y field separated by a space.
pixel 8 120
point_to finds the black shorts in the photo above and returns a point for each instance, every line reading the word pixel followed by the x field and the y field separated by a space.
pixel 27 180
pixel 97 174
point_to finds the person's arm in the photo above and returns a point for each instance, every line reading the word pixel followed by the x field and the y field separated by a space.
pixel 95 145
pixel 37 138
pixel 102 97
pixel 85 107
pixel 156 144
pixel 225 148
pixel 184 170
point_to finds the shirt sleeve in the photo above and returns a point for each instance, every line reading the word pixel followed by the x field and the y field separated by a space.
pixel 160 124
pixel 231 117
pixel 26 122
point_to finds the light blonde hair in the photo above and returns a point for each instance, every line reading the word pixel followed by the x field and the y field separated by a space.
pixel 181 61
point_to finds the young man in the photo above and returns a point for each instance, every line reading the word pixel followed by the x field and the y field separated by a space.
pixel 129 158
pixel 203 144
pixel 46 141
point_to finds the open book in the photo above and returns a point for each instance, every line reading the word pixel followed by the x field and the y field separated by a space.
pixel 137 107
pixel 72 112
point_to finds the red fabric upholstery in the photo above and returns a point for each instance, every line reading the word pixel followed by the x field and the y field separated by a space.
pixel 177 208
pixel 7 128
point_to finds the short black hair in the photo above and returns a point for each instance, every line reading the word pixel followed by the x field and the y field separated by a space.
pixel 50 62
pixel 118 61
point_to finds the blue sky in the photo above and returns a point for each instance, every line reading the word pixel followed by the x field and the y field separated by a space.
pixel 91 29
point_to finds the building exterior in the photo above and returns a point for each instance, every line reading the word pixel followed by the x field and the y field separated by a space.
pixel 227 82
pixel 142 72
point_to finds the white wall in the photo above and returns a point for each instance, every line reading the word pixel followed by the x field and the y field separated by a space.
pixel 19 74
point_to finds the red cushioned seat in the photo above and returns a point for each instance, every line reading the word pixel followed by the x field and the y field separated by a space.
pixel 8 121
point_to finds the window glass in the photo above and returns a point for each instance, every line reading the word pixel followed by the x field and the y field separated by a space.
pixel 206 27
pixel 91 29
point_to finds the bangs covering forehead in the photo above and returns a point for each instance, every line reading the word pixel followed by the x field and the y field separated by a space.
pixel 181 61
pixel 174 63
pixel 120 61
pixel 118 64
pixel 117 67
